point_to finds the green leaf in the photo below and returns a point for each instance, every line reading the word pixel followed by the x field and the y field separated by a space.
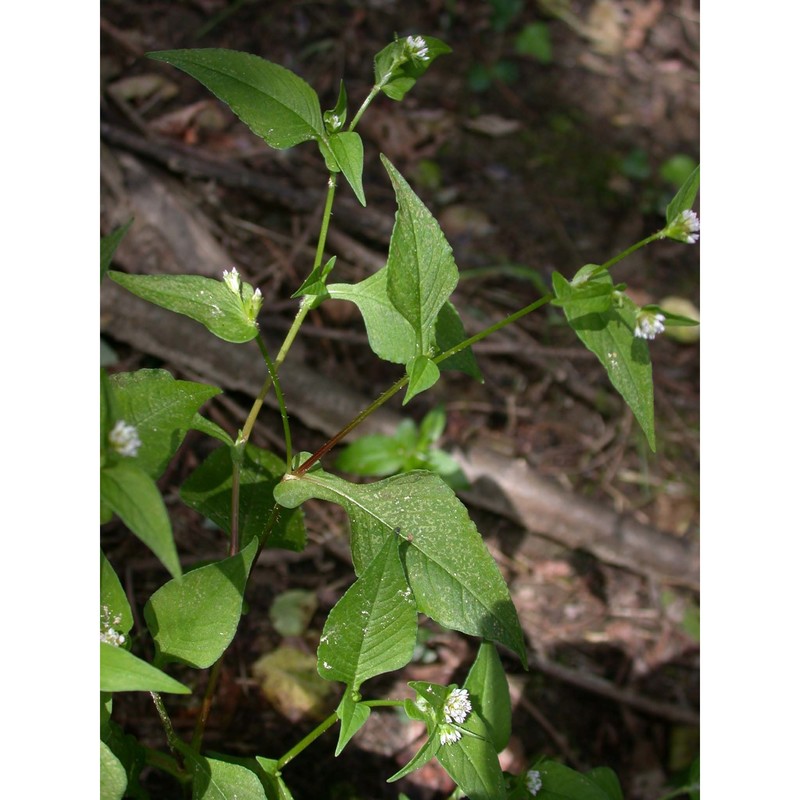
pixel 373 627
pixel 314 285
pixel 454 578
pixel 108 413
pixel 121 671
pixel 534 40
pixel 213 779
pixel 113 600
pixel 428 751
pixel 352 716
pixel 109 244
pixel 162 410
pixel 390 335
pixel 422 374
pixel 211 429
pixel 685 196
pixel 349 152
pixel 113 780
pixel 205 300
pixel 272 101
pixel 562 783
pixel 399 65
pixel 694 780
pixel 421 271
pixel 607 780
pixel 472 762
pixel 609 335
pixel 208 490
pixel 291 611
pixel 193 619
pixel 670 319
pixel 488 690
pixel 375 455
pixel 134 497
pixel 276 788
pixel 335 118
pixel 450 332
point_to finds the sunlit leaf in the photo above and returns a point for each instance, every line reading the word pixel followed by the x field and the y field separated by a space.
pixel 121 671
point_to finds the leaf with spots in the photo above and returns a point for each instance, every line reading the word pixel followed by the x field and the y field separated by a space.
pixel 606 328
pixel 454 578
pixel 373 627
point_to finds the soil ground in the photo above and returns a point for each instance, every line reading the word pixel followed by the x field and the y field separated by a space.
pixel 531 167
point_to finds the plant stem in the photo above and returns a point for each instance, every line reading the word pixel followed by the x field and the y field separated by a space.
pixel 305 303
pixel 306 741
pixel 625 253
pixel 398 385
pixel 370 97
pixel 273 374
pixel 172 739
pixel 205 707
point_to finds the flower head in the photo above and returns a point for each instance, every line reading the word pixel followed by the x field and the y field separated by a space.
pixel 125 439
pixel 533 782
pixel 684 228
pixel 417 48
pixel 457 706
pixel 648 324
pixel 232 280
pixel 448 734
pixel 254 305
pixel 107 632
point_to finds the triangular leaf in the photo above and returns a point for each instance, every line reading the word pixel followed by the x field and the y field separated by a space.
pixel 422 374
pixel 352 716
pixel 685 196
pixel 384 633
pixel 559 782
pixel 454 578
pixel 272 101
pixel 193 619
pixel 214 779
pixel 113 600
pixel 472 762
pixel 450 332
pixel 121 671
pixel 349 152
pixel 108 246
pixel 609 335
pixel 133 496
pixel 488 690
pixel 421 271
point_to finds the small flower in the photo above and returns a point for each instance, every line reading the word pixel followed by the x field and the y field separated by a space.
pixel 417 48
pixel 448 734
pixel 232 280
pixel 124 439
pixel 255 304
pixel 457 706
pixel 648 324
pixel 107 633
pixel 533 782
pixel 684 228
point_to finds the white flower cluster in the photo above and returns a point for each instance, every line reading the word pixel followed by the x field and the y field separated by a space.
pixel 448 734
pixel 417 48
pixel 456 709
pixel 648 324
pixel 125 439
pixel 533 782
pixel 232 280
pixel 684 228
pixel 107 632
pixel 457 706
